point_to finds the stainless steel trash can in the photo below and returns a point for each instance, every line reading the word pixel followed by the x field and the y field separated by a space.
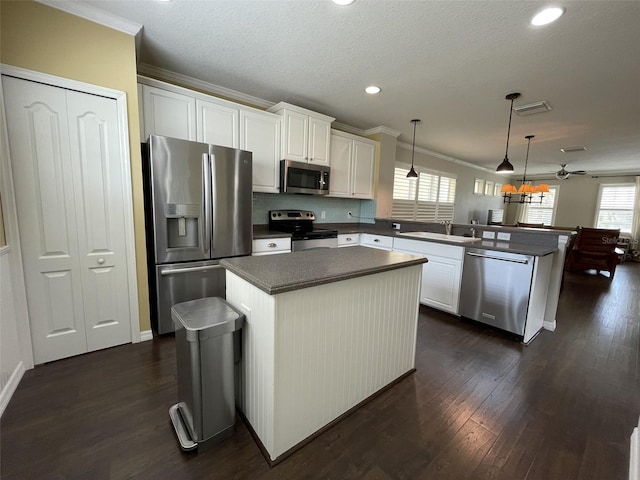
pixel 207 330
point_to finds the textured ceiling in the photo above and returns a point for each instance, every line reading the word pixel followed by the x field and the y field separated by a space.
pixel 449 63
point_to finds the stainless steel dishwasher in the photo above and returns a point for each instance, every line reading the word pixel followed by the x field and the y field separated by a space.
pixel 495 288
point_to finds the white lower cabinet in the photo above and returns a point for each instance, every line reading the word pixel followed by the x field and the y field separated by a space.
pixel 348 239
pixel 270 246
pixel 376 241
pixel 441 275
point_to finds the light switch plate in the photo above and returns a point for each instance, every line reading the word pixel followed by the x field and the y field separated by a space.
pixel 504 236
pixel 486 234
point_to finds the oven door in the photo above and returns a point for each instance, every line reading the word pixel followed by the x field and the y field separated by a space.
pixel 299 245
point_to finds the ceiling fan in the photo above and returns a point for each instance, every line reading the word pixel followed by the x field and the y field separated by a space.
pixel 563 173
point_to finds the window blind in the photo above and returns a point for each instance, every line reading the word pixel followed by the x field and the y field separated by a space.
pixel 615 209
pixel 543 212
pixel 428 198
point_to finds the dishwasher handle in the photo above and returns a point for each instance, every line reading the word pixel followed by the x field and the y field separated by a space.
pixel 172 271
pixel 502 259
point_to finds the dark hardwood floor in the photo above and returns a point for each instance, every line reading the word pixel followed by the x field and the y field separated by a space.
pixel 479 406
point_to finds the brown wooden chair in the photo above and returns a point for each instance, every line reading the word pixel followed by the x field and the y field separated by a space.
pixel 530 225
pixel 594 249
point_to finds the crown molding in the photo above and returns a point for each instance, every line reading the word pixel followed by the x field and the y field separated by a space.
pixel 95 15
pixel 173 77
pixel 408 146
pixel 381 129
pixel 365 133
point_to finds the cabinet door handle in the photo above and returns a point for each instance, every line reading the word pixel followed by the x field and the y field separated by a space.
pixel 272 245
pixel 100 261
pixel 349 239
pixel 376 239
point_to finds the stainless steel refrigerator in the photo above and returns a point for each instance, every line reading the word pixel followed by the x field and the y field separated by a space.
pixel 197 210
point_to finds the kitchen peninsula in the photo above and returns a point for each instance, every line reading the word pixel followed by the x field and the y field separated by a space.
pixel 325 330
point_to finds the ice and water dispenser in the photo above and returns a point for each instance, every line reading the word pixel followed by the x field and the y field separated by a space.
pixel 183 222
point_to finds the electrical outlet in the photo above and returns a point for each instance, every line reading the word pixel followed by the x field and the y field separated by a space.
pixel 490 235
pixel 504 236
pixel 395 226
pixel 323 214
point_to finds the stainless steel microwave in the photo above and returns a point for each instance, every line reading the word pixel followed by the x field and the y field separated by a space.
pixel 298 177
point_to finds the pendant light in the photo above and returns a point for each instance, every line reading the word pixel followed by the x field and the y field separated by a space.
pixel 505 166
pixel 412 173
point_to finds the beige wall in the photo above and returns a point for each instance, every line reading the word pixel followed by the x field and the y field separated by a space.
pixel 577 199
pixel 43 39
pixel 3 240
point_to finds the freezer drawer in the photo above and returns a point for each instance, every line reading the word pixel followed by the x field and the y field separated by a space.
pixel 495 288
pixel 181 282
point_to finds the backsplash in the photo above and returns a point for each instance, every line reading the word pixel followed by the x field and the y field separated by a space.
pixel 335 209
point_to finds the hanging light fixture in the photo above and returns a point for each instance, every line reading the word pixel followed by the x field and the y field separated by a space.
pixel 505 166
pixel 526 190
pixel 412 173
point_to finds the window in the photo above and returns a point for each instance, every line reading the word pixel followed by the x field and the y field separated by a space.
pixel 478 186
pixel 428 198
pixel 543 212
pixel 615 206
pixel 488 188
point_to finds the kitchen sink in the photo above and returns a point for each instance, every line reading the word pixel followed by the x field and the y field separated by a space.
pixel 440 236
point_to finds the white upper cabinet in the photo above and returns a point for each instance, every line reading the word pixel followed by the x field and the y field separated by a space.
pixel 341 156
pixel 181 113
pixel 306 135
pixel 260 134
pixel 353 162
pixel 217 123
pixel 168 113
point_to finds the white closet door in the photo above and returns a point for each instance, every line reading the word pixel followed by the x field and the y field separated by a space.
pixel 99 199
pixel 63 167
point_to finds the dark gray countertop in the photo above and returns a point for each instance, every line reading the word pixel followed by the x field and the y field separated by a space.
pixel 285 272
pixel 262 231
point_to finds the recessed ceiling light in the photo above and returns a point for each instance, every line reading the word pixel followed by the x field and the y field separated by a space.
pixel 372 90
pixel 343 2
pixel 547 16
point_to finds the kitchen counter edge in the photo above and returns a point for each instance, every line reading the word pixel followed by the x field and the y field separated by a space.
pixel 287 272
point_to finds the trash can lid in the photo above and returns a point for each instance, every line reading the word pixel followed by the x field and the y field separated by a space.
pixel 209 316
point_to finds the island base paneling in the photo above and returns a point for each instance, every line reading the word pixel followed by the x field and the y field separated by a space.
pixel 310 355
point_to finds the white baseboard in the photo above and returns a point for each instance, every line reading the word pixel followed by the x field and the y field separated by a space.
pixel 551 326
pixel 146 335
pixel 10 387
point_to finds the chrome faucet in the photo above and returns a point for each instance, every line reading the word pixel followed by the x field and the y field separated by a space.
pixel 447 226
pixel 473 232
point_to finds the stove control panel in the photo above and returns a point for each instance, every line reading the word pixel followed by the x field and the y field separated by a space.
pixel 291 215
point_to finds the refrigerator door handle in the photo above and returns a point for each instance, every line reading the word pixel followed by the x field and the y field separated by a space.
pixel 206 204
pixel 172 271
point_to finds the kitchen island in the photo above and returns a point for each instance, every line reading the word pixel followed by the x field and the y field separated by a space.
pixel 325 330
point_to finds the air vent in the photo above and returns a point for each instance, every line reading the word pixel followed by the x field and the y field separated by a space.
pixel 531 108
pixel 573 149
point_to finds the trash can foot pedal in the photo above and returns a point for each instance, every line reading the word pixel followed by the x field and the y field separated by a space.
pixel 186 443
